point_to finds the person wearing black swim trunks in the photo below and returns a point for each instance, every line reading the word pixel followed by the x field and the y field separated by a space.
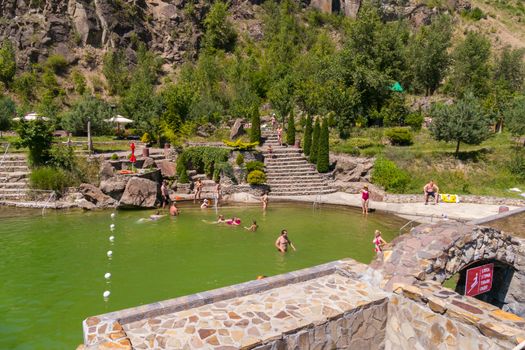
pixel 431 190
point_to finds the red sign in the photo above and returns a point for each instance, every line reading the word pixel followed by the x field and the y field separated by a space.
pixel 479 280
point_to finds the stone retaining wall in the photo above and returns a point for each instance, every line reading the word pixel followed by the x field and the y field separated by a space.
pixel 419 198
pixel 427 316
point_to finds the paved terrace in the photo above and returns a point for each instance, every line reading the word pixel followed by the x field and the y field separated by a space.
pixel 272 308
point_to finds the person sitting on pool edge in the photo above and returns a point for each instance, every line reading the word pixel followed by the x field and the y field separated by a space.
pixel 283 241
pixel 253 227
pixel 431 190
pixel 205 204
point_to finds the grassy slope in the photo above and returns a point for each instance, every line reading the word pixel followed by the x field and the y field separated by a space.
pixel 481 170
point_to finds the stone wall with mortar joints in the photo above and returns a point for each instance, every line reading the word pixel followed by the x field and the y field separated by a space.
pixel 362 328
pixel 428 316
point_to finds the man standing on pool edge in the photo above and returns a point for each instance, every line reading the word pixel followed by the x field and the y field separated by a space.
pixel 283 241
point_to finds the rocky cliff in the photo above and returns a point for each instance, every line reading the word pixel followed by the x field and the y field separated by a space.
pixel 81 30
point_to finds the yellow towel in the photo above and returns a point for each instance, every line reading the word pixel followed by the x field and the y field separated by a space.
pixel 449 198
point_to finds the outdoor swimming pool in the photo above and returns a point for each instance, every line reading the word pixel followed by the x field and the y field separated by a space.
pixel 52 268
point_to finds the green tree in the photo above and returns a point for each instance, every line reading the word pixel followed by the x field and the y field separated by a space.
pixel 323 153
pixel 219 31
pixel 177 100
pixel 428 54
pixel 290 131
pixel 88 108
pixel 509 69
pixel 24 86
pixel 115 69
pixel 314 149
pixel 514 116
pixel 307 142
pixel 7 113
pixel 79 81
pixel 7 62
pixel 255 131
pixel 281 98
pixel 464 121
pixel 470 70
pixel 37 136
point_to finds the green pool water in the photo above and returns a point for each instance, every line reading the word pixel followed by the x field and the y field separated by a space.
pixel 52 267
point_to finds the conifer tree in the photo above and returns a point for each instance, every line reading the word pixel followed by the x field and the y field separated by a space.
pixel 290 132
pixel 255 132
pixel 323 153
pixel 314 149
pixel 307 136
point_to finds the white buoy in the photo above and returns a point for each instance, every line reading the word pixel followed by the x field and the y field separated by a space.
pixel 112 227
pixel 107 275
pixel 112 215
pixel 111 238
pixel 106 294
pixel 109 253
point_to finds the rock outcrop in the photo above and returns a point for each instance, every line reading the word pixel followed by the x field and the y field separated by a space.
pixel 113 187
pixel 139 193
pixel 94 195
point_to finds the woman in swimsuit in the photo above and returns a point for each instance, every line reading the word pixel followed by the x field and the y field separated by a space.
pixel 253 227
pixel 379 242
pixel 205 204
pixel 198 190
pixel 283 241
pixel 365 197
pixel 264 200
pixel 280 135
pixel 234 221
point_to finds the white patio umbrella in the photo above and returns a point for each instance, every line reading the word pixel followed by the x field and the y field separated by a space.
pixel 32 116
pixel 119 120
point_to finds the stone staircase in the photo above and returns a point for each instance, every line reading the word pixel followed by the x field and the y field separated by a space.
pixel 288 171
pixel 14 173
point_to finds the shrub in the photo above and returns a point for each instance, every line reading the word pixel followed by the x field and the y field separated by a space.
pixel 63 157
pixel 201 159
pixel 387 174
pixel 114 156
pixel 314 149
pixel 239 160
pixel 323 154
pixel 256 177
pixel 146 138
pixel 414 120
pixel 360 142
pixel 400 136
pixel 49 178
pixel 238 145
pixel 255 131
pixel 254 165
pixel 57 63
pixel 516 164
pixel 37 136
pixel 307 136
pixel 182 172
pixel 290 132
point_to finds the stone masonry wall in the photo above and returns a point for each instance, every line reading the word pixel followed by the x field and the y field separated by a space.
pixel 363 328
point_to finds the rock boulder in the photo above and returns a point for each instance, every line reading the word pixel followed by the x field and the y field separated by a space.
pixel 237 129
pixel 167 168
pixel 139 193
pixel 148 163
pixel 113 187
pixel 94 195
pixel 106 171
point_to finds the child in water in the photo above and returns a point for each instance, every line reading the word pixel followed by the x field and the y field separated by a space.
pixel 379 242
pixel 205 204
pixel 253 227
pixel 234 221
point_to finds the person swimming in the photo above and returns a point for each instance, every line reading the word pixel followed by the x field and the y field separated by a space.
pixel 253 227
pixel 205 204
pixel 220 219
pixel 174 211
pixel 234 221
pixel 156 216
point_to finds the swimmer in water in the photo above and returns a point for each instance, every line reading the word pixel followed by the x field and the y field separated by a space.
pixel 156 216
pixel 283 242
pixel 174 211
pixel 220 219
pixel 234 221
pixel 205 204
pixel 253 227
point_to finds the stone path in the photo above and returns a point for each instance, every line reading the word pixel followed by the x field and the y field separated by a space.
pixel 244 322
pixel 413 211
pixel 14 172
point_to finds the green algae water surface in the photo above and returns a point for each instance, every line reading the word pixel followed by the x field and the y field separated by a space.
pixel 52 267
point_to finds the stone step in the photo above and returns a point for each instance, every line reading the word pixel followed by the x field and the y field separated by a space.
pixel 13 190
pixel 296 177
pixel 13 156
pixel 284 186
pixel 14 168
pixel 16 162
pixel 295 161
pixel 283 150
pixel 301 192
pixel 12 196
pixel 290 167
pixel 292 180
pixel 5 174
pixel 13 184
pixel 284 172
